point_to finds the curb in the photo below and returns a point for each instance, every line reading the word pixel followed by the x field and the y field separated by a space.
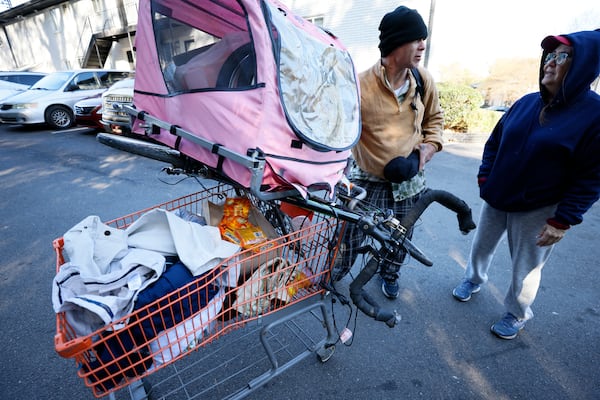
pixel 465 137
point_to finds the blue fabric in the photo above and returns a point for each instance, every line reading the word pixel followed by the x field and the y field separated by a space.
pixel 528 164
pixel 139 331
pixel 183 303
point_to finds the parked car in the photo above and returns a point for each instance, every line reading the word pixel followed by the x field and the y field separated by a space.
pixel 22 77
pixel 114 119
pixel 88 112
pixel 51 100
pixel 8 89
pixel 497 108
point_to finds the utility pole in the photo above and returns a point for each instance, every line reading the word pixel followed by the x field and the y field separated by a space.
pixel 430 26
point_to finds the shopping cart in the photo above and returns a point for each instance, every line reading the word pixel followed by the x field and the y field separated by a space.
pixel 273 287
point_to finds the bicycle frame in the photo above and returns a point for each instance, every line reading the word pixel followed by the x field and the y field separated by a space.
pixel 380 225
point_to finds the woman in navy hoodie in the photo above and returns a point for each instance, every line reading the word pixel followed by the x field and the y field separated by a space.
pixel 539 174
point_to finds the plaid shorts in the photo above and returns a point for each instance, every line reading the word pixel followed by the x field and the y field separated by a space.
pixel 379 194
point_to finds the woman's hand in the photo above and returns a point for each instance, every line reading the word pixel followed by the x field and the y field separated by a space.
pixel 550 235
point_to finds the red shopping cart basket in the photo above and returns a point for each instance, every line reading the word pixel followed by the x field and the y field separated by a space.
pixel 285 272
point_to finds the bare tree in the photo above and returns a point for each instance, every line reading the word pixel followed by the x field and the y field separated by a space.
pixel 510 79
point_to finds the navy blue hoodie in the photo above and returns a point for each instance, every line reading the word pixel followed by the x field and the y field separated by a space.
pixel 527 164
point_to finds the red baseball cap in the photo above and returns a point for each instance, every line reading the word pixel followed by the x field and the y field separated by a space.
pixel 552 42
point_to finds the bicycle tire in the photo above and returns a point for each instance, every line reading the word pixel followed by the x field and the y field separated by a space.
pixel 143 148
pixel 239 69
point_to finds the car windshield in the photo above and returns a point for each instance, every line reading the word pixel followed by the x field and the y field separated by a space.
pixel 12 85
pixel 127 82
pixel 52 82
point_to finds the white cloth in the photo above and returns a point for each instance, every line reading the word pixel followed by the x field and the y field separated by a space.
pixel 93 301
pixel 108 267
pixel 187 334
pixel 190 332
pixel 93 245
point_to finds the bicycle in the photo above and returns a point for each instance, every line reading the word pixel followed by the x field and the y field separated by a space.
pixel 381 225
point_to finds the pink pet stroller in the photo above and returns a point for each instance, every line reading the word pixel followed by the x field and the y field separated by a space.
pixel 248 89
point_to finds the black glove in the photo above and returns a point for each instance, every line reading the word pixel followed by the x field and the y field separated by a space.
pixel 401 169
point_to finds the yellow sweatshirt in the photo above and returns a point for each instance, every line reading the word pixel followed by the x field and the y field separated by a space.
pixel 391 129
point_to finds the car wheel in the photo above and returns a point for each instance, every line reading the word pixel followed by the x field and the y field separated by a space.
pixel 59 117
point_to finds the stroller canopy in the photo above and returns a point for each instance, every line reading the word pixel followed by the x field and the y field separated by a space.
pixel 252 77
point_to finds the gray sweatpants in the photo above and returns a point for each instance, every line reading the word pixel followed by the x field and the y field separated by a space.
pixel 528 259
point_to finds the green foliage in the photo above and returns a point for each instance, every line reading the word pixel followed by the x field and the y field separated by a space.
pixel 483 121
pixel 461 104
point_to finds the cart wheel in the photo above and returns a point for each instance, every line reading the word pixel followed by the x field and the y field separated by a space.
pixel 140 390
pixel 325 353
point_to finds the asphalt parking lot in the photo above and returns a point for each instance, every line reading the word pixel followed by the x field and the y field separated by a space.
pixel 441 349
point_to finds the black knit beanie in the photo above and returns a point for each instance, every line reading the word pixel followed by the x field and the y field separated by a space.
pixel 398 27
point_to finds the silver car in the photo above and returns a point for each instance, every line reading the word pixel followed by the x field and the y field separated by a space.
pixel 21 77
pixel 8 89
pixel 114 119
pixel 51 100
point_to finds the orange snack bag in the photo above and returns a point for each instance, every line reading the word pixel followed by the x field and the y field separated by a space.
pixel 300 281
pixel 236 228
pixel 236 207
pixel 235 216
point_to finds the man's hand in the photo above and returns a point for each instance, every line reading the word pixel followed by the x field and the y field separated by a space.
pixel 426 152
pixel 550 235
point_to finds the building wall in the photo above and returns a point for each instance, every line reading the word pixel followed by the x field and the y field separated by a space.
pixel 119 58
pixel 33 41
pixel 56 38
pixel 355 22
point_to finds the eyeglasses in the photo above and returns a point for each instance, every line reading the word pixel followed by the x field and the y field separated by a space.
pixel 559 58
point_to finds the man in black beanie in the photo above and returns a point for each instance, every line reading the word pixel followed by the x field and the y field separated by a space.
pixel 401 131
pixel 398 27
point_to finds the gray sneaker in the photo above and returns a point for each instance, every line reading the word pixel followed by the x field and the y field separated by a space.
pixel 464 291
pixel 390 288
pixel 508 327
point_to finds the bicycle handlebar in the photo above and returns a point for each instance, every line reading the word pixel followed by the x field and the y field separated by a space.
pixel 359 297
pixel 364 302
pixel 448 200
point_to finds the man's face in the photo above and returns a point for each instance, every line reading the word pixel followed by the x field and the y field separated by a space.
pixel 409 55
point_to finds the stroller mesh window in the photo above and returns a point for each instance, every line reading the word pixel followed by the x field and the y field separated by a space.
pixel 192 58
pixel 318 87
